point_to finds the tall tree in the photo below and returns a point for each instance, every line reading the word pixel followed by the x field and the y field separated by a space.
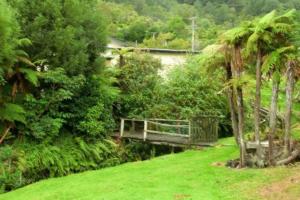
pixel 266 35
pixel 274 64
pixel 215 56
pixel 17 73
pixel 72 34
pixel 290 81
pixel 236 38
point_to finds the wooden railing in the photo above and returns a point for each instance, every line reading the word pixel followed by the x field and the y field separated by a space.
pixel 202 130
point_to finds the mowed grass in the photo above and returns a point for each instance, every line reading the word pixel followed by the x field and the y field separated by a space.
pixel 191 175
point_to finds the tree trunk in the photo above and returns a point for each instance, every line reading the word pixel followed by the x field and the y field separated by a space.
pixel 257 104
pixel 232 106
pixel 238 66
pixel 240 106
pixel 289 103
pixel 273 118
pixel 289 159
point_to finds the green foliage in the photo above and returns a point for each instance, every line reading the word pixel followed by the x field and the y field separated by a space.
pixel 138 80
pixel 68 155
pixel 15 73
pixel 213 17
pixel 11 166
pixel 166 40
pixel 189 93
pixel 57 110
pixel 136 30
pixel 60 26
pixel 12 112
pixel 8 33
pixel 66 107
pixel 193 172
pixel 276 60
pixel 28 162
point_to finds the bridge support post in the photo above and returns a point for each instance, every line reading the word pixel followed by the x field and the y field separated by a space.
pixel 190 132
pixel 190 128
pixel 122 128
pixel 145 129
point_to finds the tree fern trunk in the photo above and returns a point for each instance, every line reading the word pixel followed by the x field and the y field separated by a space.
pixel 238 67
pixel 257 96
pixel 257 104
pixel 273 118
pixel 289 102
pixel 240 106
pixel 232 106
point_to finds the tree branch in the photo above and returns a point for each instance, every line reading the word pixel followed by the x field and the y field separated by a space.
pixel 6 131
pixel 293 156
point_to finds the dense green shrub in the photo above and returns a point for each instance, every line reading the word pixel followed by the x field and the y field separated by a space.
pixel 138 82
pixel 28 161
pixel 11 166
pixel 189 92
pixel 60 111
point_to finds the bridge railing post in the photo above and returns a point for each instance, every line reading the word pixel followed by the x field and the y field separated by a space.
pixel 145 129
pixel 122 127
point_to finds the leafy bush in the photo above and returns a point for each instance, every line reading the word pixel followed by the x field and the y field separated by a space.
pixel 189 92
pixel 138 81
pixel 60 122
pixel 11 166
pixel 27 162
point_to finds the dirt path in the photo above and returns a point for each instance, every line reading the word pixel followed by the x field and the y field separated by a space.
pixel 287 189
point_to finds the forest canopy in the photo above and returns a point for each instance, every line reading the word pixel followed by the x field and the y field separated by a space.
pixel 167 23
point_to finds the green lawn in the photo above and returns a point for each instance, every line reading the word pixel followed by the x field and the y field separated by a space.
pixel 188 175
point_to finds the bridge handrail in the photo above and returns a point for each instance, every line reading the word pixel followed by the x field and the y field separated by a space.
pixel 166 133
pixel 140 128
pixel 168 120
pixel 169 125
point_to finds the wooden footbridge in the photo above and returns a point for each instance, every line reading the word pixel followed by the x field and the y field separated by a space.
pixel 200 132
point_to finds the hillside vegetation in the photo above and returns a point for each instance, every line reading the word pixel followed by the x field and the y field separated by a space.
pixel 61 100
pixel 167 23
pixel 192 175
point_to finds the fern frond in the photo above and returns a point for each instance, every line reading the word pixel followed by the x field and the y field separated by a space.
pixel 288 17
pixel 282 28
pixel 270 61
pixel 30 75
pixel 12 112
pixel 25 61
pixel 24 42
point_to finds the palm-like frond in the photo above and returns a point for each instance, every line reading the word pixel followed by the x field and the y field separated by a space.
pixel 30 75
pixel 283 28
pixel 267 29
pixel 276 59
pixel 12 112
pixel 268 18
pixel 236 35
pixel 26 61
pixel 24 42
pixel 288 17
pixel 214 57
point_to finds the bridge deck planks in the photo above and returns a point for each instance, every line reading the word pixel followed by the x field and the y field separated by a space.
pixel 155 138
